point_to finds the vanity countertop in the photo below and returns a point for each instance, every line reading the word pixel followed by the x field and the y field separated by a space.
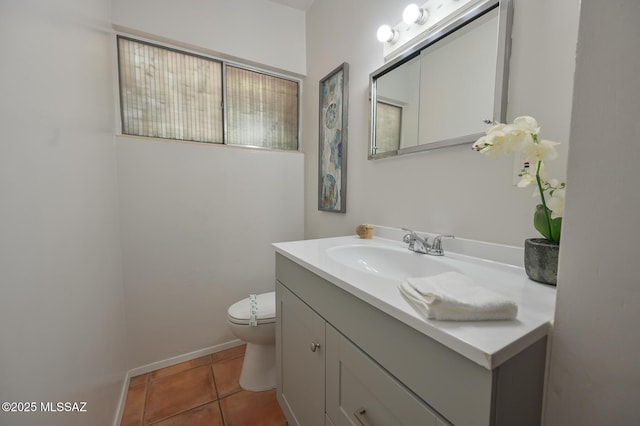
pixel 488 343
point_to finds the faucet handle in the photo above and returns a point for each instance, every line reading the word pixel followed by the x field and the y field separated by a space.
pixel 417 244
pixel 411 236
pixel 436 245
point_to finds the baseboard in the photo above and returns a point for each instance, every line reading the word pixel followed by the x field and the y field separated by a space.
pixel 123 397
pixel 166 363
pixel 185 357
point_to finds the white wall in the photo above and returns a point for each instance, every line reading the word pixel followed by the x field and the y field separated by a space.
pixel 253 30
pixel 198 221
pixel 452 190
pixel 595 375
pixel 61 301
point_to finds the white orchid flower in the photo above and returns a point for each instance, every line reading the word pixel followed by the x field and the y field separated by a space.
pixel 481 143
pixel 556 203
pixel 526 124
pixel 501 139
pixel 496 127
pixel 522 136
pixel 541 151
pixel 526 179
pixel 494 144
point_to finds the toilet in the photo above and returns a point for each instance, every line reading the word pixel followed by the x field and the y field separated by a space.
pixel 253 320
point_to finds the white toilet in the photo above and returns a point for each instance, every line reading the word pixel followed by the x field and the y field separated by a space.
pixel 253 320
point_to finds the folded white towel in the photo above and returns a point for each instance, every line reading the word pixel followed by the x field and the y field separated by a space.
pixel 455 297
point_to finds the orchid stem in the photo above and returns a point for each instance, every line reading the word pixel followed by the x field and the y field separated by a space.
pixel 544 203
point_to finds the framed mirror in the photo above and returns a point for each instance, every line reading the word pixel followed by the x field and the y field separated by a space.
pixel 447 89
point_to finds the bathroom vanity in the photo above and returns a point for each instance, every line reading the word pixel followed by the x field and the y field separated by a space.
pixel 351 351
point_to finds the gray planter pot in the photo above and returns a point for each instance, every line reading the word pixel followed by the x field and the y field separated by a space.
pixel 541 260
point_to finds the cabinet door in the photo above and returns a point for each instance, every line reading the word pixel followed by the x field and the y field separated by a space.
pixel 300 341
pixel 360 392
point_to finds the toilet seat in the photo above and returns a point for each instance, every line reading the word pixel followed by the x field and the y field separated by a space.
pixel 240 312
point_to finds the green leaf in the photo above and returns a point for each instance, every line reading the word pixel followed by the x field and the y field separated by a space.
pixel 540 222
pixel 556 227
pixel 542 225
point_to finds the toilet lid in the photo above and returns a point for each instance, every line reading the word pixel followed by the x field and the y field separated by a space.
pixel 240 312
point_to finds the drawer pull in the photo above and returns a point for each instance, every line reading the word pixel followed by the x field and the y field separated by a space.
pixel 359 414
pixel 314 346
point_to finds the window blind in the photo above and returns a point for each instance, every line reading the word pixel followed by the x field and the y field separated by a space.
pixel 262 110
pixel 388 127
pixel 169 94
pixel 166 93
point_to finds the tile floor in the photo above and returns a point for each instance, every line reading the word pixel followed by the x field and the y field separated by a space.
pixel 203 391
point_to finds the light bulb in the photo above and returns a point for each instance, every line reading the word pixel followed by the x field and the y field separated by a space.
pixel 414 15
pixel 386 34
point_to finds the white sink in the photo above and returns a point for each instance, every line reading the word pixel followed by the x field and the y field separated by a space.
pixel 388 262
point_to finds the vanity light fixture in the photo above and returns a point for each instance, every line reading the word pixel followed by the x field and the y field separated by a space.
pixel 413 14
pixel 422 21
pixel 386 34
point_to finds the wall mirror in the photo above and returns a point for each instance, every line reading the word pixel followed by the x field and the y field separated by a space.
pixel 446 89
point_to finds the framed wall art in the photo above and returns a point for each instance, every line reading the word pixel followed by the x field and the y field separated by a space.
pixel 332 155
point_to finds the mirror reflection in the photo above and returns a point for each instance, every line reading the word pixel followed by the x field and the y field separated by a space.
pixel 397 111
pixel 445 91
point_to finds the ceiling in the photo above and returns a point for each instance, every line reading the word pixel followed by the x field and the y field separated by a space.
pixel 296 4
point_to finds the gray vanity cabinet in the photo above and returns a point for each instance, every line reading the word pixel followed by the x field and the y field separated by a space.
pixel 300 336
pixel 341 361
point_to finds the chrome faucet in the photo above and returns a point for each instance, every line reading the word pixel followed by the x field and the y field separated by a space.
pixel 421 245
pixel 416 244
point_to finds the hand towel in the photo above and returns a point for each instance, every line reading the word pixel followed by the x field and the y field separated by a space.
pixel 453 296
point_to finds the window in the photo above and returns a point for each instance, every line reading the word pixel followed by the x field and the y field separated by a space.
pixel 388 127
pixel 263 110
pixel 165 93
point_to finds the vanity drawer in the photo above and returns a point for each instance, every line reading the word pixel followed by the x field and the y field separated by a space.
pixel 360 392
